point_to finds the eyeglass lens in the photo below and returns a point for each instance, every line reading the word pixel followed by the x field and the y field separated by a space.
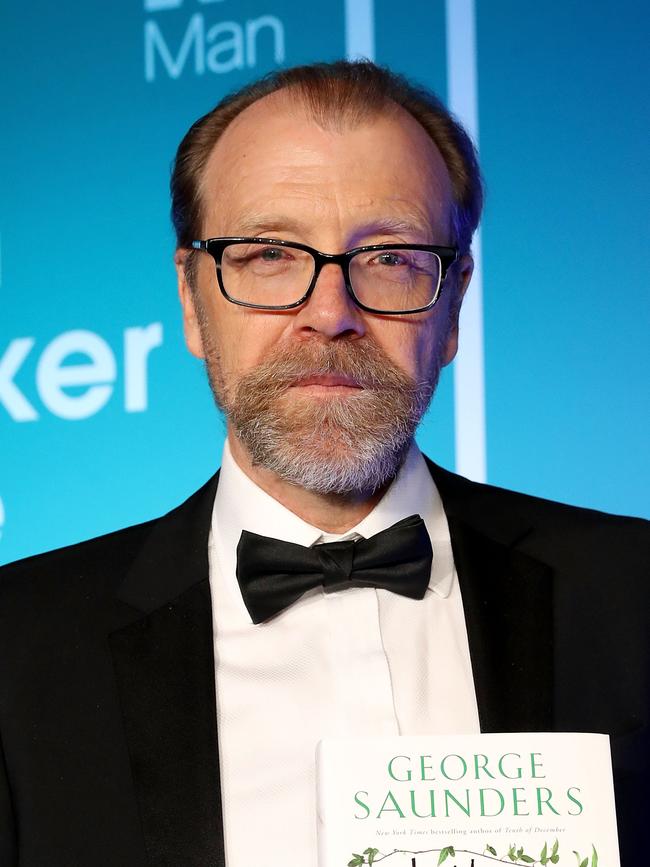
pixel 274 275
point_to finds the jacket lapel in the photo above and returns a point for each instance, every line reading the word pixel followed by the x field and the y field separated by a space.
pixel 508 603
pixel 164 669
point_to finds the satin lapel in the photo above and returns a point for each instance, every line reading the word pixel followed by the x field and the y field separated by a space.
pixel 164 668
pixel 508 604
pixel 507 599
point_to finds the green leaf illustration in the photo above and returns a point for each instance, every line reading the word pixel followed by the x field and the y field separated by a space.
pixel 492 850
pixel 543 858
pixel 357 860
pixel 554 859
pixel 594 856
pixel 511 854
pixel 554 850
pixel 371 853
pixel 445 853
pixel 527 859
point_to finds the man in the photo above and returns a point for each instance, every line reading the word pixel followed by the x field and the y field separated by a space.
pixel 162 689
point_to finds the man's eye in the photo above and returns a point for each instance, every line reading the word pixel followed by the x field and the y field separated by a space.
pixel 272 254
pixel 390 258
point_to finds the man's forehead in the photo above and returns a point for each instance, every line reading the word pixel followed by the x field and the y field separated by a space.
pixel 276 146
pixel 286 107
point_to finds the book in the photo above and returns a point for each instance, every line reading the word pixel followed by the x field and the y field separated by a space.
pixel 466 801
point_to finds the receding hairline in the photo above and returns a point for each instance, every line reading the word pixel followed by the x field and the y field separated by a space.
pixel 294 99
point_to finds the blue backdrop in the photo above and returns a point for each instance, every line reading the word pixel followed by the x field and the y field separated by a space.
pixel 105 420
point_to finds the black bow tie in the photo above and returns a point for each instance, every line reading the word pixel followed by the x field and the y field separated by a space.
pixel 272 574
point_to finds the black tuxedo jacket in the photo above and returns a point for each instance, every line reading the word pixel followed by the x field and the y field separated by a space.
pixel 109 745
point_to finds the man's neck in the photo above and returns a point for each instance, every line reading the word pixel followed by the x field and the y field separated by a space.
pixel 332 513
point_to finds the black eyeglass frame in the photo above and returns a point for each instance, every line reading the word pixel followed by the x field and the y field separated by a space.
pixel 216 246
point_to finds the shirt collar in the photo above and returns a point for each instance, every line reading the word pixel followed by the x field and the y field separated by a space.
pixel 240 504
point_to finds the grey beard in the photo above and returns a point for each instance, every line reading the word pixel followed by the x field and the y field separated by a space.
pixel 345 444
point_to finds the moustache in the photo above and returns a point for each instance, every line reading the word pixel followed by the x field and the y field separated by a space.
pixel 362 363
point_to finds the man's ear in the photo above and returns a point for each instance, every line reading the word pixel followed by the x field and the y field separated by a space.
pixel 463 274
pixel 191 327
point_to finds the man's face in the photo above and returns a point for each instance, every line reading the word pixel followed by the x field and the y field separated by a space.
pixel 316 371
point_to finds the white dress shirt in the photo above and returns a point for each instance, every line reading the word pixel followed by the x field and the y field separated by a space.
pixel 356 662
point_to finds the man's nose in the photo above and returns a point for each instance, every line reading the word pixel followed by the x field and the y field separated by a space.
pixel 330 310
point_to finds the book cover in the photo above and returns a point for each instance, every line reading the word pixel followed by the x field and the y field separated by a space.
pixel 467 801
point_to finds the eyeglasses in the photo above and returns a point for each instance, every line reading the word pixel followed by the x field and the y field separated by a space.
pixel 269 274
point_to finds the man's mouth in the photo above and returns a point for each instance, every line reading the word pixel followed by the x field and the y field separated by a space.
pixel 327 383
